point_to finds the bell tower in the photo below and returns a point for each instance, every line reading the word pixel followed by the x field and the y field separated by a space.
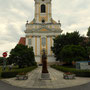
pixel 43 11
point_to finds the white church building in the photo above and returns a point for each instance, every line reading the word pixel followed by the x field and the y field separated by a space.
pixel 41 31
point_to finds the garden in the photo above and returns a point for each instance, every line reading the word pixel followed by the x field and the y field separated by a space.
pixel 20 61
pixel 69 49
pixel 77 72
pixel 15 71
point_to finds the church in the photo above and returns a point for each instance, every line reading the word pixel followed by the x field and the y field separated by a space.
pixel 41 31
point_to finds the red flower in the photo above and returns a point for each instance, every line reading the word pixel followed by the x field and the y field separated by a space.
pixel 68 73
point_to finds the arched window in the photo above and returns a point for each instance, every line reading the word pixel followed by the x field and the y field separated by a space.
pixel 29 42
pixel 43 8
pixel 43 41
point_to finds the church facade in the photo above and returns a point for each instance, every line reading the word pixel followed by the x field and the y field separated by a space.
pixel 41 31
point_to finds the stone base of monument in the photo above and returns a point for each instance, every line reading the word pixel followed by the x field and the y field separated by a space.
pixel 45 76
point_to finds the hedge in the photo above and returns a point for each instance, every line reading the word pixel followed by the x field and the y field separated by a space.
pixel 80 73
pixel 13 73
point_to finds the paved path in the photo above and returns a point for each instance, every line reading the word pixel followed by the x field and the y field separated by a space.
pixel 56 81
pixel 4 86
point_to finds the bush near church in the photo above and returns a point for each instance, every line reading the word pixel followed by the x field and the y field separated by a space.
pixel 80 73
pixel 70 39
pixel 73 38
pixel 22 56
pixel 88 33
pixel 88 43
pixel 71 53
pixel 14 72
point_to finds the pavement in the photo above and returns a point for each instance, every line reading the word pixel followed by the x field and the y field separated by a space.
pixel 56 82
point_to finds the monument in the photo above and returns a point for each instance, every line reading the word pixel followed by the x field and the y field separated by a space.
pixel 45 74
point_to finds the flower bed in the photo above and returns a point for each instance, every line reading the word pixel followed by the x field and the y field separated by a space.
pixel 22 76
pixel 80 73
pixel 68 75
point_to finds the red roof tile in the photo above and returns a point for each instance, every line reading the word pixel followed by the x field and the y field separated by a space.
pixel 22 41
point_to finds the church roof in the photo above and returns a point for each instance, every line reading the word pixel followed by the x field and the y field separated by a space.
pixel 52 21
pixel 32 22
pixel 43 30
pixel 22 41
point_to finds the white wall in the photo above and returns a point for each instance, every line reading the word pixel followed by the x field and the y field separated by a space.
pixel 26 41
pixel 38 45
pixel 51 59
pixel 48 45
pixel 33 43
pixel 38 59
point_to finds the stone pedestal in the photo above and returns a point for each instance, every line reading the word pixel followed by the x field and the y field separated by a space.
pixel 45 76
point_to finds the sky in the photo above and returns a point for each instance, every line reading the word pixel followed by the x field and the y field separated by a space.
pixel 74 15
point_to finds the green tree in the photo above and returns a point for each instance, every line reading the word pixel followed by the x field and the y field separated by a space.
pixel 71 53
pixel 88 43
pixel 88 51
pixel 73 38
pixel 88 33
pixel 22 56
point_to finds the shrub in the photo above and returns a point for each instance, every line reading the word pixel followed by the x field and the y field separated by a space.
pixel 22 56
pixel 13 73
pixel 80 73
pixel 71 53
pixel 73 38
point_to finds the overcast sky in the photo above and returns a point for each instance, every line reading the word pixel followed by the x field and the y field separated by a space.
pixel 73 14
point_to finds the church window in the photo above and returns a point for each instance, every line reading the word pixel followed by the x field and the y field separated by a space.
pixel 43 21
pixel 43 41
pixel 29 42
pixel 43 8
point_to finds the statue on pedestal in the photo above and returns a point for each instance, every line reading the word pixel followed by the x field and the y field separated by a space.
pixel 44 63
pixel 45 74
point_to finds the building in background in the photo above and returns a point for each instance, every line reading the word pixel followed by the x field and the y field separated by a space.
pixel 41 31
